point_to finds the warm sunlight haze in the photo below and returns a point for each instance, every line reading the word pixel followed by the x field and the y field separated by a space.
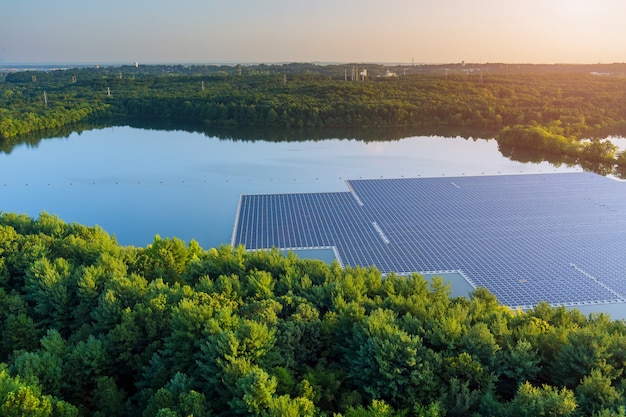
pixel 251 31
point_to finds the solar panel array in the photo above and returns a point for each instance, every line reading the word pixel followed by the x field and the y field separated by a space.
pixel 559 238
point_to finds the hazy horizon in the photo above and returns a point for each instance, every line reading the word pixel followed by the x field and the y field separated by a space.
pixel 284 31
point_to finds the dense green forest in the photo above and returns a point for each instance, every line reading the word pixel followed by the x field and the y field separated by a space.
pixel 89 327
pixel 565 111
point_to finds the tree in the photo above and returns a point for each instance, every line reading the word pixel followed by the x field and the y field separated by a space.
pixel 516 364
pixel 596 392
pixel 48 287
pixel 254 390
pixel 387 363
pixel 480 343
pixel 531 401
pixel 377 408
pixel 168 258
pixel 588 349
pixel 86 362
pixel 8 245
pixel 25 401
pixel 19 332
pixel 457 397
pixel 46 366
pixel 108 398
pixel 284 406
pixel 178 397
pixel 298 338
pixel 19 399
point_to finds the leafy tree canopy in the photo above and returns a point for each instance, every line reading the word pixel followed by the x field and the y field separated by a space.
pixel 93 328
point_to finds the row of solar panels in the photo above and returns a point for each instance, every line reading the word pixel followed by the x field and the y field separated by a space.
pixel 516 235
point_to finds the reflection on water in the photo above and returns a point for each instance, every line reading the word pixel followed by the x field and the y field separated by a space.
pixel 459 286
pixel 326 255
pixel 252 134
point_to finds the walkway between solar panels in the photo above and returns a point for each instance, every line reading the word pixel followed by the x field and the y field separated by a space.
pixel 517 235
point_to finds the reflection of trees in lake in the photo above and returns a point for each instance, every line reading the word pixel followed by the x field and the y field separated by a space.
pixel 33 139
pixel 372 134
pixel 620 171
pixel 602 168
pixel 528 155
pixel 376 134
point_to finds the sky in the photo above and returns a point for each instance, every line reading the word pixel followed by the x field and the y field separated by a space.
pixel 273 31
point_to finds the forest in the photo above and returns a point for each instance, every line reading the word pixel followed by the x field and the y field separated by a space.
pixel 92 328
pixel 562 111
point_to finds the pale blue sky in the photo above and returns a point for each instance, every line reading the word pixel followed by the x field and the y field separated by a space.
pixel 251 31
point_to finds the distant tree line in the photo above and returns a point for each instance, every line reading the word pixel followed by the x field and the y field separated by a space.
pixel 88 327
pixel 519 103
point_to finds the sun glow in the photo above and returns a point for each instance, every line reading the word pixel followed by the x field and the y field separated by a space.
pixel 589 11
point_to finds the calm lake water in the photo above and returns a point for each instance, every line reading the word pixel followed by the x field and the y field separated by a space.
pixel 136 183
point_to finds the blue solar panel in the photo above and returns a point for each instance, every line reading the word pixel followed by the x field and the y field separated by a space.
pixel 559 238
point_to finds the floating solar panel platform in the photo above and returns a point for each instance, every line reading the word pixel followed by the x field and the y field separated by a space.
pixel 559 238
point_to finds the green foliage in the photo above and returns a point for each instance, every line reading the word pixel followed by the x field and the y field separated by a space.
pixel 539 138
pixel 387 363
pixel 588 349
pixel 92 328
pixel 167 259
pixel 597 155
pixel 19 398
pixel 108 398
pixel 596 392
pixel 517 364
pixel 178 397
pixel 19 332
pixel 284 406
pixel 533 401
pixel 375 409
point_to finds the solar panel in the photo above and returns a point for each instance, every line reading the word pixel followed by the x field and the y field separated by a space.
pixel 559 238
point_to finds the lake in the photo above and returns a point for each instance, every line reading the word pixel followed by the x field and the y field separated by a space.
pixel 136 183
